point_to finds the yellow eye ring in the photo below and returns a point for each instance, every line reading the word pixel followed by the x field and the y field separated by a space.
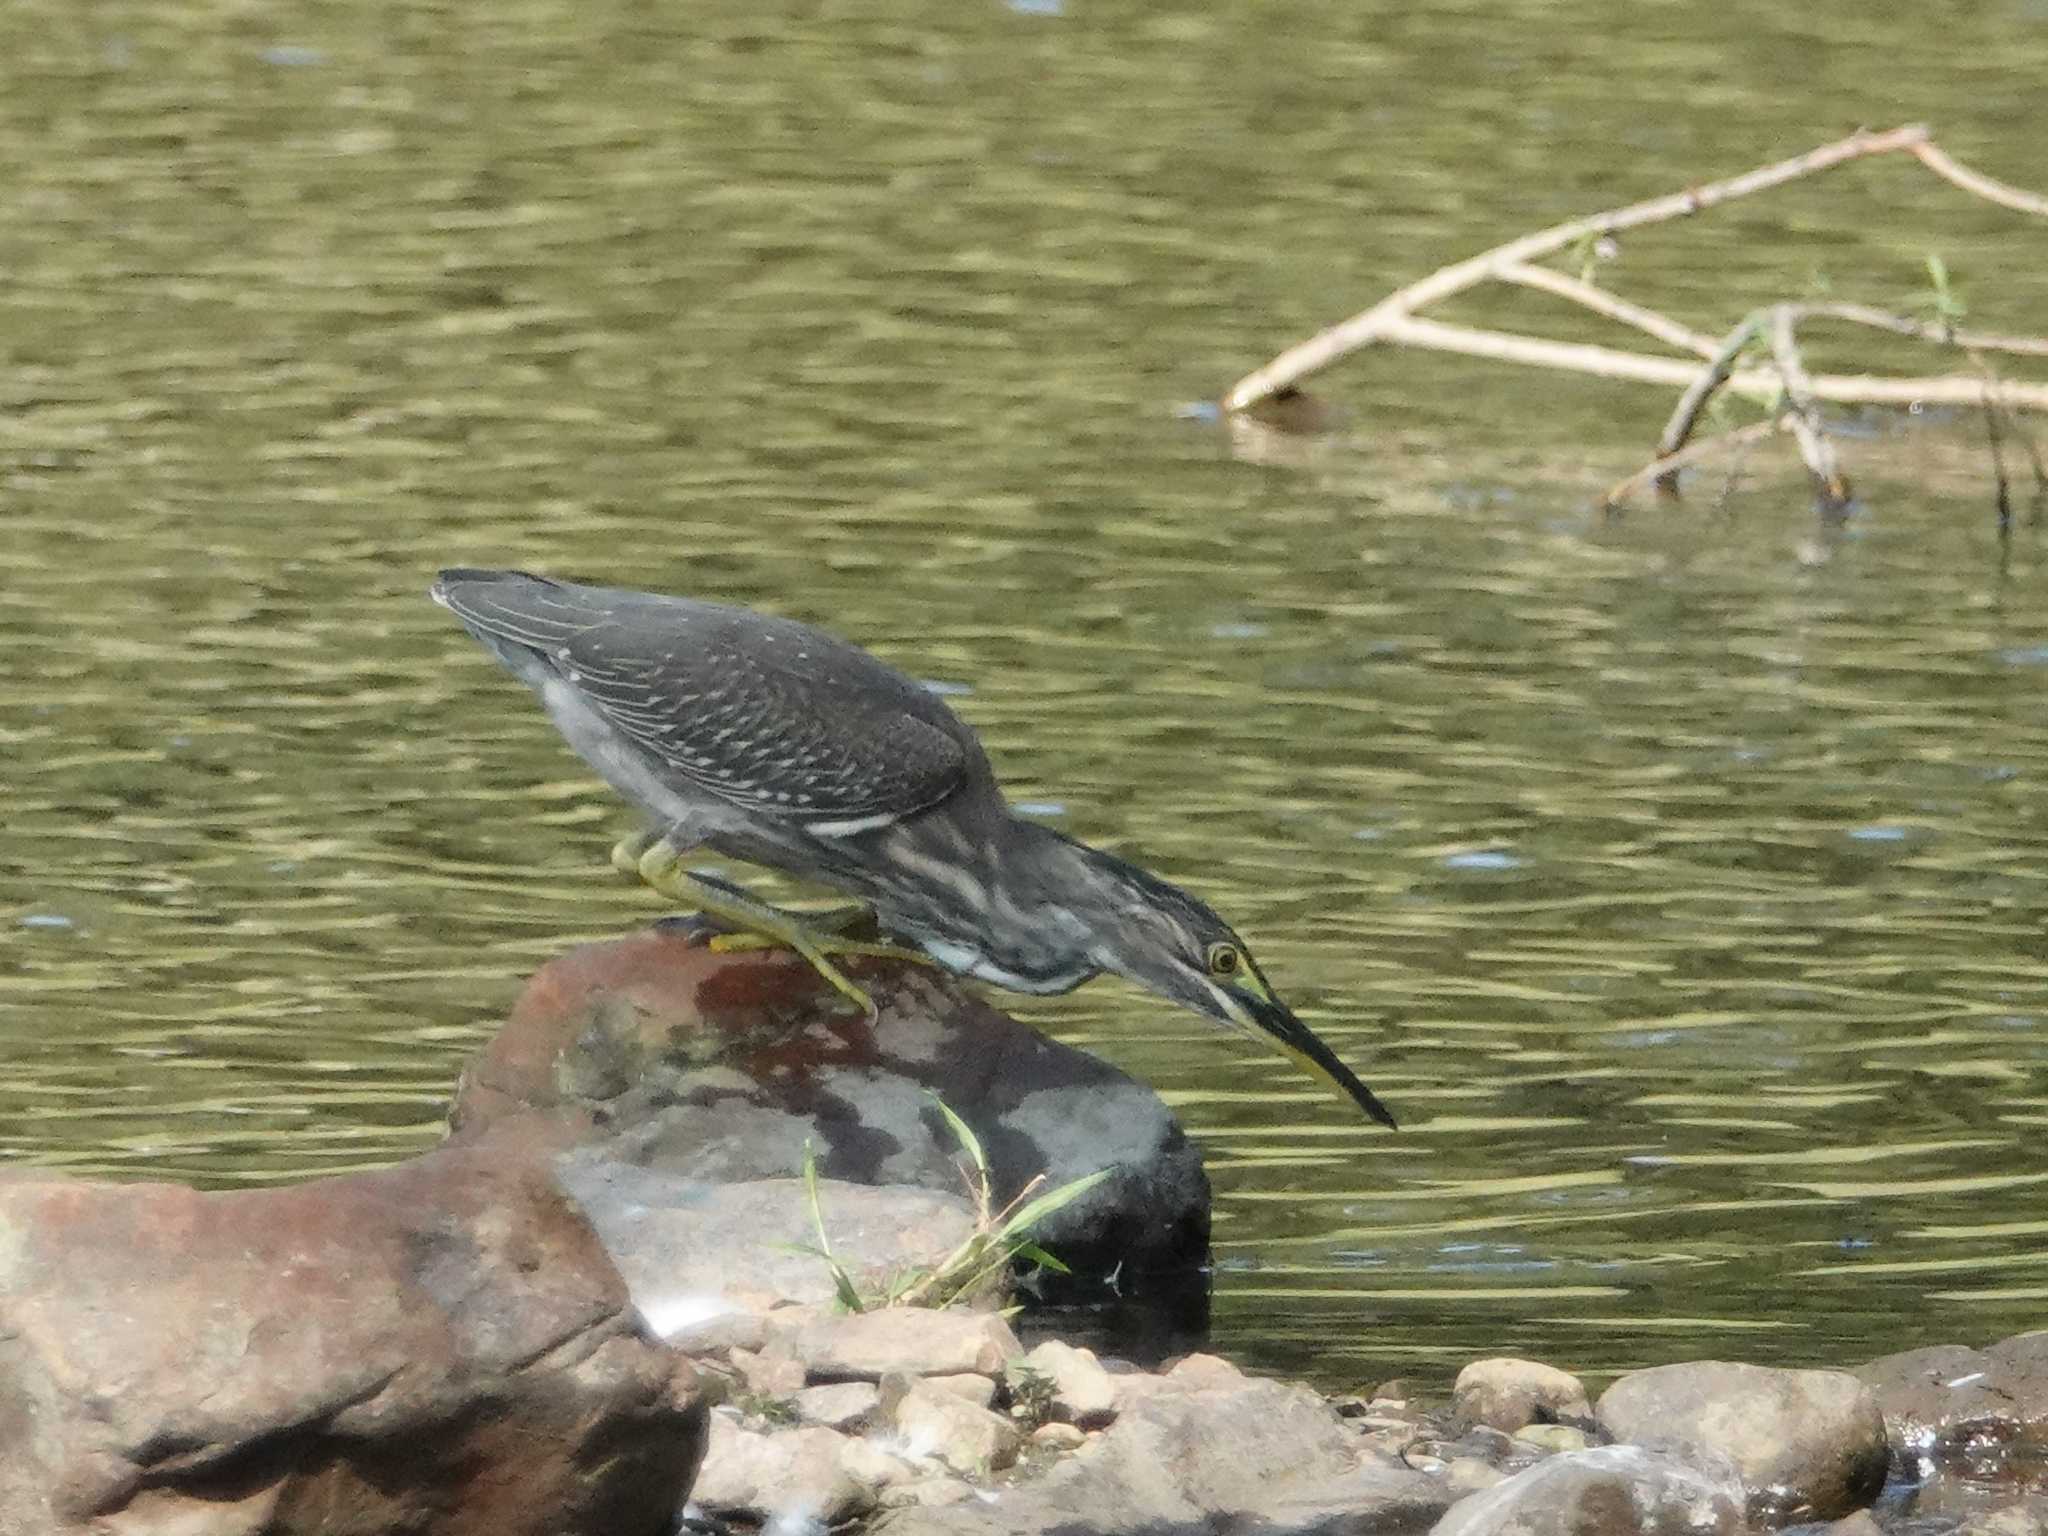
pixel 1225 960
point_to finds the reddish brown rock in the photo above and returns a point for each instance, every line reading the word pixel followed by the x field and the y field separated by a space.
pixel 659 1052
pixel 436 1349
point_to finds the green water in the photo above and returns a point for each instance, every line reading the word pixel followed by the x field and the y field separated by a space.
pixel 1680 880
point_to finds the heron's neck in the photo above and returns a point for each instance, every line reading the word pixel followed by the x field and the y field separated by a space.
pixel 1064 887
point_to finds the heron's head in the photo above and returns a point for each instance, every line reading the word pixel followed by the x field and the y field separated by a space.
pixel 1169 942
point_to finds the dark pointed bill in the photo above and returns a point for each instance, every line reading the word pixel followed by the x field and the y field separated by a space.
pixel 1301 1043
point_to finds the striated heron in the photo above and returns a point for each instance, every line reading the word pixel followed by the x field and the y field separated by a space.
pixel 774 743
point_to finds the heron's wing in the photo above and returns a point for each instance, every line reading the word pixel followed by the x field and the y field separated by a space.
pixel 761 711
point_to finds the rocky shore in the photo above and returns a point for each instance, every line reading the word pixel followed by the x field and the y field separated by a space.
pixel 591 1313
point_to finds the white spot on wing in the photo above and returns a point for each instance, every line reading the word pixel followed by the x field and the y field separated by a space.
pixel 851 825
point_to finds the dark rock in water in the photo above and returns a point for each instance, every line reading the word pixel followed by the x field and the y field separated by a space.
pixel 1611 1490
pixel 1974 1408
pixel 438 1349
pixel 721 1067
pixel 1243 1455
pixel 1807 1444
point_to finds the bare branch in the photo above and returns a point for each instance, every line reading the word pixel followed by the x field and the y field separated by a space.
pixel 1647 368
pixel 1803 413
pixel 1937 161
pixel 1369 326
pixel 1921 330
pixel 1668 465
pixel 1686 414
pixel 1601 302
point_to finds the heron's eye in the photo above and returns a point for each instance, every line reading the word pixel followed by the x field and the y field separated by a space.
pixel 1224 960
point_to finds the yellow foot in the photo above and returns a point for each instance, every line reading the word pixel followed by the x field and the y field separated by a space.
pixel 759 925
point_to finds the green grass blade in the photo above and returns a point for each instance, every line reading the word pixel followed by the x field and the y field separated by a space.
pixel 1028 1216
pixel 962 1133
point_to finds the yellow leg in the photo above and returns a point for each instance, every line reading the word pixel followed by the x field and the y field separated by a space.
pixel 660 864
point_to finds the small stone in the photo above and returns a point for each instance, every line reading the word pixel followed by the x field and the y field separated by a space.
pixel 763 1475
pixel 841 1405
pixel 1059 1437
pixel 1083 1392
pixel 968 1385
pixel 868 1345
pixel 772 1373
pixel 1553 1437
pixel 1864 1523
pixel 1506 1393
pixel 965 1437
pixel 1396 1391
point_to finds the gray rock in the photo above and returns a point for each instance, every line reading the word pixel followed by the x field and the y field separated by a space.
pixel 840 1405
pixel 721 1067
pixel 930 1421
pixel 975 1388
pixel 791 1475
pixel 915 1340
pixel 1253 1456
pixel 1083 1392
pixel 1975 1407
pixel 441 1345
pixel 1612 1490
pixel 1506 1393
pixel 1806 1444
pixel 696 1253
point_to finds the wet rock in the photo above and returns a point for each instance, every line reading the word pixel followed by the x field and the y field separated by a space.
pixel 1506 1393
pixel 914 1340
pixel 1809 1444
pixel 1612 1490
pixel 1255 1456
pixel 790 1475
pixel 930 1421
pixel 1081 1390
pixel 437 1347
pixel 720 1067
pixel 697 1254
pixel 842 1405
pixel 1862 1523
pixel 1972 1407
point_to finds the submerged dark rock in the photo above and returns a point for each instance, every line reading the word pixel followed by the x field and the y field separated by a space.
pixel 722 1067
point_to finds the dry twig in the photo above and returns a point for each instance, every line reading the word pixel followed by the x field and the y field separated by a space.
pixel 1397 319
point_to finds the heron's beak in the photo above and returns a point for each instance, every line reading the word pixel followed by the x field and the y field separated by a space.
pixel 1252 1007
